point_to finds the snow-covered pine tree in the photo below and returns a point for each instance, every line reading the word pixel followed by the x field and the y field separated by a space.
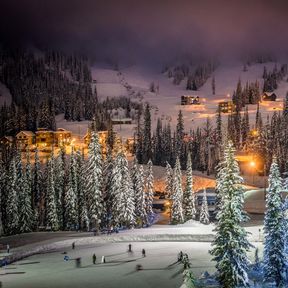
pixel 149 191
pixel 188 195
pixel 12 212
pixel 274 230
pixel 70 206
pixel 51 206
pixel 28 173
pixel 83 219
pixel 147 143
pixel 107 179
pixel 115 190
pixel 70 199
pixel 36 187
pixel 26 215
pixel 25 208
pixel 60 185
pixel 179 136
pixel 94 181
pixel 177 195
pixel 134 175
pixel 285 212
pixel 140 204
pixel 168 180
pixel 127 205
pixel 122 194
pixel 204 212
pixel 189 280
pixel 19 169
pixel 219 135
pixel 158 144
pixel 231 244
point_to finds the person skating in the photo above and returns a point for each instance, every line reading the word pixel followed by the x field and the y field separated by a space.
pixel 8 248
pixel 139 267
pixel 180 256
pixel 78 262
pixel 73 245
pixel 129 248
pixel 94 258
pixel 143 253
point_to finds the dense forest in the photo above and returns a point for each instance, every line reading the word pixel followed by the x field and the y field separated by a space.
pixel 195 76
pixel 263 138
pixel 48 83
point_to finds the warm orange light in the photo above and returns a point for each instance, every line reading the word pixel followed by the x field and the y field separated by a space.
pixel 252 164
pixel 255 132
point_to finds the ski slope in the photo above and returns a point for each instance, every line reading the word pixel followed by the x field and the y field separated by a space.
pixel 166 103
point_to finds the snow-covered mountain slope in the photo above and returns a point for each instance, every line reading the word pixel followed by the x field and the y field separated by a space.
pixel 135 81
pixel 109 83
pixel 5 96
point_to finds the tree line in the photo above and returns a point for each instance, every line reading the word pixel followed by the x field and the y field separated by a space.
pixel 50 83
pixel 74 193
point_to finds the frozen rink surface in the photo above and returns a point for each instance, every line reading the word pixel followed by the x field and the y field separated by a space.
pixel 159 267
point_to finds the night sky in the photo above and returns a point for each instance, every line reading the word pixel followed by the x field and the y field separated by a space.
pixel 147 30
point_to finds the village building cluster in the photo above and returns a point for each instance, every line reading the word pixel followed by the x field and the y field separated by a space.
pixel 44 140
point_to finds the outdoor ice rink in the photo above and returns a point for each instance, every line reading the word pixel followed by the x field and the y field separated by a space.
pixel 50 270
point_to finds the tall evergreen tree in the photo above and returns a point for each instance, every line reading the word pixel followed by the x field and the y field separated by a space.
pixel 12 212
pixel 123 205
pixel 26 215
pixel 204 212
pixel 219 135
pixel 51 206
pixel 149 191
pixel 168 180
pixel 274 229
pixel 70 199
pixel 177 195
pixel 36 187
pixel 147 142
pixel 83 219
pixel 139 139
pixel 179 135
pixel 158 151
pixel 231 244
pixel 94 181
pixel 188 196
pixel 245 128
pixel 140 204
pixel 60 186
pixel 70 206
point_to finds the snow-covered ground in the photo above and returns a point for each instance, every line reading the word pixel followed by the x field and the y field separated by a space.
pixel 166 103
pixel 159 267
pixel 134 82
pixel 161 242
